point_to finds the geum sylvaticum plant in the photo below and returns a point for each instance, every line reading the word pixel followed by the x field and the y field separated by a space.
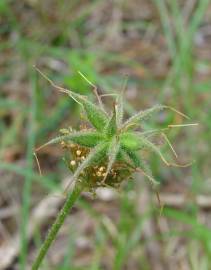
pixel 105 152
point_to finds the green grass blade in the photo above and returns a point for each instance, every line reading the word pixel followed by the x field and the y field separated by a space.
pixel 26 195
pixel 27 173
pixel 162 8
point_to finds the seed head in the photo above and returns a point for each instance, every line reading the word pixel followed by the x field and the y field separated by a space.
pixel 112 150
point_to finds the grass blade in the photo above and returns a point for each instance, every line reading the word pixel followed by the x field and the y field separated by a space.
pixel 26 195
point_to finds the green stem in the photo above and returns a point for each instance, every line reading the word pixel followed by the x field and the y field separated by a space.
pixel 71 199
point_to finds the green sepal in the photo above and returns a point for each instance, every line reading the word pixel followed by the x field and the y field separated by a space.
pixel 119 110
pixel 97 117
pixel 84 138
pixel 113 151
pixel 133 157
pixel 111 126
pixel 130 141
pixel 88 138
pixel 120 104
pixel 142 115
pixel 138 162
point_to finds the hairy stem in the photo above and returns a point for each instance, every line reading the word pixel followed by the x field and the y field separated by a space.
pixel 71 199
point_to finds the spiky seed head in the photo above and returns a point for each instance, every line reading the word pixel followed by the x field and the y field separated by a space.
pixel 109 152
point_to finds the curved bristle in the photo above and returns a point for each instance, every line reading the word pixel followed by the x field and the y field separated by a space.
pixel 38 163
pixel 176 111
pixel 183 125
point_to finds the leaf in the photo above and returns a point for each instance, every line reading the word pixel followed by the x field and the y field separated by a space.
pixel 130 141
pixel 111 127
pixel 84 138
pixel 112 154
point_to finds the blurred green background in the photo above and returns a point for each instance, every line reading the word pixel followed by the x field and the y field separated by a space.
pixel 165 48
